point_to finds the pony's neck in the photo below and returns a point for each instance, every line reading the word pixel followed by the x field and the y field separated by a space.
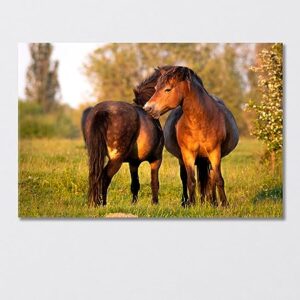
pixel 196 106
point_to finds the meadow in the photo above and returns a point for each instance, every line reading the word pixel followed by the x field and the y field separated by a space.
pixel 53 183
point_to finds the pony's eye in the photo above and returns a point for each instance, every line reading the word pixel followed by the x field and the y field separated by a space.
pixel 167 90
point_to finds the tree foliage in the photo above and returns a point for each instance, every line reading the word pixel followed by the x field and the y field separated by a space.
pixel 268 124
pixel 42 85
pixel 222 77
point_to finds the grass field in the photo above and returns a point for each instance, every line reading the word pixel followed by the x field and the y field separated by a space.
pixel 53 183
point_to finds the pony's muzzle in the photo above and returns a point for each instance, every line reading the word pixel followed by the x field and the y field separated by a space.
pixel 148 108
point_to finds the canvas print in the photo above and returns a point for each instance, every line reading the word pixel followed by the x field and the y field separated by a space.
pixel 150 130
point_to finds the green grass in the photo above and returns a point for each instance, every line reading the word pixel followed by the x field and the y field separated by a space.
pixel 53 183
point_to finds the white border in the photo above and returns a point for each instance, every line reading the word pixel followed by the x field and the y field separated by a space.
pixel 66 259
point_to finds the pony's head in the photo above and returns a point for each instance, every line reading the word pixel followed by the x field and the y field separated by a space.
pixel 172 87
pixel 144 91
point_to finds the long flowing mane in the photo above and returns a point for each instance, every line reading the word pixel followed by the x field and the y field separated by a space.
pixel 179 73
pixel 145 90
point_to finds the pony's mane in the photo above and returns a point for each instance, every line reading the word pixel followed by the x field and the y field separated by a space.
pixel 178 73
pixel 145 90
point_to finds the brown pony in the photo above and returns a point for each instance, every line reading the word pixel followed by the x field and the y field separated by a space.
pixel 123 132
pixel 199 131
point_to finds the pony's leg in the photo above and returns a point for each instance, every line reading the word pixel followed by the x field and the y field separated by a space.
pixel 221 190
pixel 211 188
pixel 109 171
pixel 203 178
pixel 189 163
pixel 203 192
pixel 183 176
pixel 155 165
pixel 220 186
pixel 135 183
pixel 217 179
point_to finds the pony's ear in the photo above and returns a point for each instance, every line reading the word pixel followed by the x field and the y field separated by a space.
pixel 161 70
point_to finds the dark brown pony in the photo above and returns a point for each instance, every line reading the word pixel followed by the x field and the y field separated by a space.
pixel 199 131
pixel 123 132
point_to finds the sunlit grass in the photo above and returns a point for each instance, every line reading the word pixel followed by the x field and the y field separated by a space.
pixel 53 183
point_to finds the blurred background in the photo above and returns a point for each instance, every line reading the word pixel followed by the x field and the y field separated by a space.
pixel 57 81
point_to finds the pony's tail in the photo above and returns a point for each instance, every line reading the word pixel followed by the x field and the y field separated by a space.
pixel 97 151
pixel 84 118
pixel 203 169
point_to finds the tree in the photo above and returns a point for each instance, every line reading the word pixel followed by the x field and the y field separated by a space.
pixel 268 125
pixel 222 77
pixel 115 69
pixel 112 71
pixel 42 85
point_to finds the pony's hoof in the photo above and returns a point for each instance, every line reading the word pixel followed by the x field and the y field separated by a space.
pixel 184 204
pixel 225 204
pixel 96 203
pixel 187 203
pixel 134 200
pixel 184 201
pixel 214 202
pixel 155 201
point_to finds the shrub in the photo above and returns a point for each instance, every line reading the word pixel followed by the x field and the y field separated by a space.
pixel 35 123
pixel 268 125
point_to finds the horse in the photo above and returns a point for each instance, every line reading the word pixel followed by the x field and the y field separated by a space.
pixel 84 116
pixel 123 132
pixel 199 131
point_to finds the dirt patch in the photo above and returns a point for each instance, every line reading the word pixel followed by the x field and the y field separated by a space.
pixel 120 216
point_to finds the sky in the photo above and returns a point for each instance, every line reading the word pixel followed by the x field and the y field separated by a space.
pixel 75 88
